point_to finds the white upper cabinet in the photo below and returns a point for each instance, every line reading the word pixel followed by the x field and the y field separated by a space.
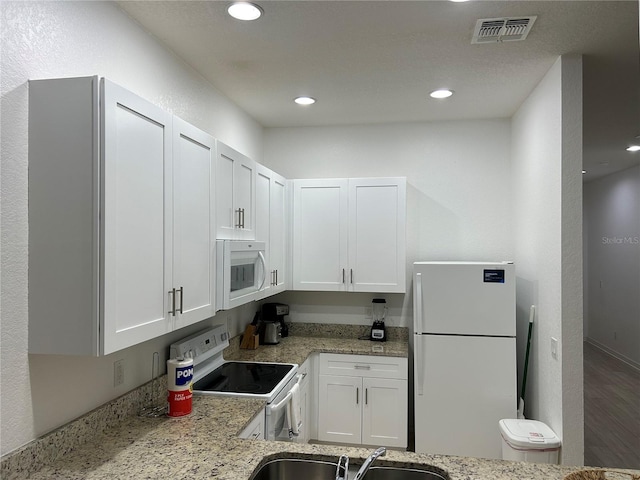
pixel 235 194
pixel 194 228
pixel 119 211
pixel 377 220
pixel 136 218
pixel 349 235
pixel 320 226
pixel 271 215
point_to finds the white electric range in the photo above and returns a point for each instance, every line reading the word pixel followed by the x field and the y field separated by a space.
pixel 213 375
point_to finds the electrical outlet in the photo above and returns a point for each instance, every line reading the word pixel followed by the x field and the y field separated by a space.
pixel 368 313
pixel 118 373
pixel 554 347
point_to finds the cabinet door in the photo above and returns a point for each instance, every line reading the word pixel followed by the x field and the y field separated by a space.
pixel 136 218
pixel 278 238
pixel 339 409
pixel 193 223
pixel 377 218
pixel 263 220
pixel 235 194
pixel 270 226
pixel 320 234
pixel 305 411
pixel 384 413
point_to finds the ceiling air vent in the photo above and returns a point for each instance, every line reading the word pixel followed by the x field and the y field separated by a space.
pixel 508 29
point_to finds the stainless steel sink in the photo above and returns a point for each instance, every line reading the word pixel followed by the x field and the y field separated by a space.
pixel 296 469
pixel 395 473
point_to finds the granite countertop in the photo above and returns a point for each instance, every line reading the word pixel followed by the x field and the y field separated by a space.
pixel 205 444
pixel 297 349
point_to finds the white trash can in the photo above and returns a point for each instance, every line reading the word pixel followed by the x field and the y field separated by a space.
pixel 528 441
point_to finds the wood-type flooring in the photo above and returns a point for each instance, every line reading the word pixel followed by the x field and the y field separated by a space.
pixel 611 411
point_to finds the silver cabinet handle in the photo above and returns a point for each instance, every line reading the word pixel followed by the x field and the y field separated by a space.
pixel 181 299
pixel 239 223
pixel 352 276
pixel 343 275
pixel 242 223
pixel 366 396
pixel 362 367
pixel 172 292
pixel 276 278
pixel 357 396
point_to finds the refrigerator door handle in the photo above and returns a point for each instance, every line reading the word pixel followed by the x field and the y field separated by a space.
pixel 417 339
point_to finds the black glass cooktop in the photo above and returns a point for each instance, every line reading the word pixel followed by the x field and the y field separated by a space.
pixel 241 377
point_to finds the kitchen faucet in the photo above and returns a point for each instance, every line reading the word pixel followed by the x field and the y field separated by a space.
pixel 344 467
pixel 380 452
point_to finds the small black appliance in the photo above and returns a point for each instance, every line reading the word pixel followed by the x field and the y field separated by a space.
pixel 272 323
pixel 378 312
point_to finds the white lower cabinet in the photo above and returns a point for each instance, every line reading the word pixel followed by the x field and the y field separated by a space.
pixel 255 429
pixel 363 400
pixel 306 401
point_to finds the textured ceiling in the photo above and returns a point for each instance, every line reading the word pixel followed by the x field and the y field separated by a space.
pixel 376 61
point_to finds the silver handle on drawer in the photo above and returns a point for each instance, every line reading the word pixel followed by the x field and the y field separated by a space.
pixel 362 367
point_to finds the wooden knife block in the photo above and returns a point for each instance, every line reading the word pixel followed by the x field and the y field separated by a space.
pixel 250 338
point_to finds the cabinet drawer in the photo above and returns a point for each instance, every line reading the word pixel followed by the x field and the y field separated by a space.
pixel 369 366
pixel 255 429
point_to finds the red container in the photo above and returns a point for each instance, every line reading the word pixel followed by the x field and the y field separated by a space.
pixel 179 403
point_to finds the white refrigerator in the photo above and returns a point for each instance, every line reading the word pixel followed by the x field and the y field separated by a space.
pixel 464 356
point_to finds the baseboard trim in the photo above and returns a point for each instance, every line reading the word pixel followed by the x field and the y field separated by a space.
pixel 614 354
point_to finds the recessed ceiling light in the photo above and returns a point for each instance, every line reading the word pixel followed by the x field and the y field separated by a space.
pixel 244 11
pixel 584 171
pixel 441 93
pixel 459 1
pixel 634 148
pixel 304 100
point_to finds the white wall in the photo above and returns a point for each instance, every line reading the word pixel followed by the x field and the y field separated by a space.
pixel 62 39
pixel 547 160
pixel 612 285
pixel 458 177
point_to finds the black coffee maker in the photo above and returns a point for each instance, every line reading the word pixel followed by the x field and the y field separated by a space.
pixel 272 323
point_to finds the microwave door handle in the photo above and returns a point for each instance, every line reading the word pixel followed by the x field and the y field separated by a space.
pixel 264 270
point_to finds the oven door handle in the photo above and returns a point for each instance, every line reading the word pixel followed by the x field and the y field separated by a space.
pixel 282 403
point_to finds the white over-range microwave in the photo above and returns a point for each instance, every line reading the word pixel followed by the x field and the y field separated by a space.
pixel 242 272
